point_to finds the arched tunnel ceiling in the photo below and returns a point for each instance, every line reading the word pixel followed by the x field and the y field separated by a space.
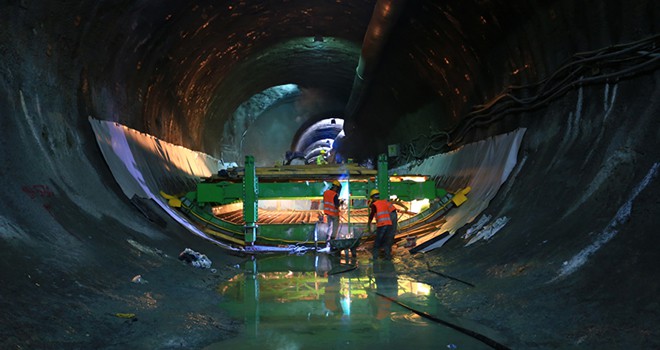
pixel 185 67
pixel 192 64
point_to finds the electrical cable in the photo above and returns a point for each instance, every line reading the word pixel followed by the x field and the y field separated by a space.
pixel 428 267
pixel 482 338
pixel 568 76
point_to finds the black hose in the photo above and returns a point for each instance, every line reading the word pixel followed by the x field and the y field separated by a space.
pixel 452 278
pixel 482 338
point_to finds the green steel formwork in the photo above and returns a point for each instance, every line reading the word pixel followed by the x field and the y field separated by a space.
pixel 229 192
pixel 275 234
pixel 250 191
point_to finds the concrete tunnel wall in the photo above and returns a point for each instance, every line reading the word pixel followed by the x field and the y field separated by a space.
pixel 585 194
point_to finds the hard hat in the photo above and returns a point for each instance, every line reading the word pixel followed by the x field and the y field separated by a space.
pixel 374 192
pixel 336 183
pixel 322 151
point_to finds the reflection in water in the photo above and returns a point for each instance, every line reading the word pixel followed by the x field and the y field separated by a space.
pixel 317 302
pixel 386 284
pixel 332 298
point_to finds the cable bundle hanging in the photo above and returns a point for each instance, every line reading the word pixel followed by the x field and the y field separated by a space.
pixel 590 67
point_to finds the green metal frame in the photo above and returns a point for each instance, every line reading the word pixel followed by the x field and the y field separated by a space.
pixel 383 178
pixel 250 191
pixel 250 200
pixel 229 192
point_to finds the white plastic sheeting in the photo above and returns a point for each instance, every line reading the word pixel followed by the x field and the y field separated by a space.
pixel 483 165
pixel 143 165
pixel 477 226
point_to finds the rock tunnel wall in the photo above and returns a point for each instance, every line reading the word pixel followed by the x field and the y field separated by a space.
pixel 507 46
pixel 70 239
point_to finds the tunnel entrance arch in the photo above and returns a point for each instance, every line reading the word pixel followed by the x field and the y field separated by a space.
pixel 319 135
pixel 270 123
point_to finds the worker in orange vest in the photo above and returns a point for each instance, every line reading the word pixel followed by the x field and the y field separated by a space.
pixel 394 217
pixel 380 209
pixel 331 205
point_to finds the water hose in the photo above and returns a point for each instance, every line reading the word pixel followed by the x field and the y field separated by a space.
pixel 482 338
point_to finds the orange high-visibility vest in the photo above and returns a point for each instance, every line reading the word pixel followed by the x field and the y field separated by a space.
pixel 329 203
pixel 392 207
pixel 382 213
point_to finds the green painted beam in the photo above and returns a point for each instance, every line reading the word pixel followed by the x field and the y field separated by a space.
pixel 383 178
pixel 410 190
pixel 292 190
pixel 250 200
pixel 227 192
pixel 219 192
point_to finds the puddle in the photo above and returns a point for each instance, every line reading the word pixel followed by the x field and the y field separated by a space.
pixel 322 302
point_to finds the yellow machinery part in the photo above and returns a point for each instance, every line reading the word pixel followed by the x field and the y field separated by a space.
pixel 171 200
pixel 459 197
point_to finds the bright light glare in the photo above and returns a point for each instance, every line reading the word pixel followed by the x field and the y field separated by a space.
pixel 286 88
pixel 413 178
pixel 346 305
pixel 422 289
pixel 344 190
pixel 407 286
pixel 417 206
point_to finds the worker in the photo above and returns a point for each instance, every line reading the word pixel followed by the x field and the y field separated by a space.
pixel 381 210
pixel 389 242
pixel 394 217
pixel 331 206
pixel 320 159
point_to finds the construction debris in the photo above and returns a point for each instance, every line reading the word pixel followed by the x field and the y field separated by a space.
pixel 489 230
pixel 195 259
pixel 139 280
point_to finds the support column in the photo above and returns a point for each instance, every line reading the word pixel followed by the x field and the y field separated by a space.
pixel 250 200
pixel 383 178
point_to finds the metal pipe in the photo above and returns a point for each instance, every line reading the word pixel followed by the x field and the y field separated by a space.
pixel 385 15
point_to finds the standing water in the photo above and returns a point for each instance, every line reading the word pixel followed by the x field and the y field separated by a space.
pixel 320 302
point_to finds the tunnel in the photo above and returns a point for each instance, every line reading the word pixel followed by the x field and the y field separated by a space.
pixel 574 267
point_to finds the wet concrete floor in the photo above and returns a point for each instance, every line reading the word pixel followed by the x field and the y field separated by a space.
pixel 318 301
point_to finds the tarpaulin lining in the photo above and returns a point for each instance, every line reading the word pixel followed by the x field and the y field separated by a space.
pixel 484 166
pixel 143 165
